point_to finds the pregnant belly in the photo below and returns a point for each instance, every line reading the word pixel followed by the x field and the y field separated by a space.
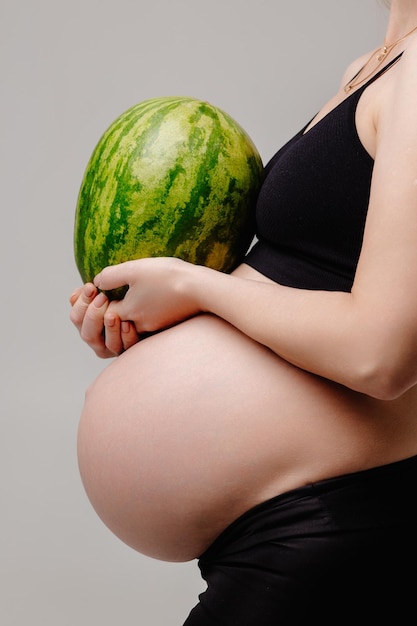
pixel 193 426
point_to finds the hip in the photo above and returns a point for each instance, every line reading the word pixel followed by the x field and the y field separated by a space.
pixel 344 542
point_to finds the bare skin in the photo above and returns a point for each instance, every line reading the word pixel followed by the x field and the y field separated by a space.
pixel 255 388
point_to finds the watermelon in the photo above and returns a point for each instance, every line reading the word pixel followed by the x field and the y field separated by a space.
pixel 171 176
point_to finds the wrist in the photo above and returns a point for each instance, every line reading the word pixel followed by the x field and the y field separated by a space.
pixel 194 285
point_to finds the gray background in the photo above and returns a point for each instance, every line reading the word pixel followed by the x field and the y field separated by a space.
pixel 67 70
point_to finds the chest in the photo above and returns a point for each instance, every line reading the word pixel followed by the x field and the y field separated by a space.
pixel 313 204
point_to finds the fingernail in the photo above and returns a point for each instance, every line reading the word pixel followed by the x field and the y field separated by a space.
pixel 110 321
pixel 89 291
pixel 125 327
pixel 73 297
pixel 99 300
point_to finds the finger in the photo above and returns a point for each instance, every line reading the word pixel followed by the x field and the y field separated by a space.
pixel 93 325
pixel 129 335
pixel 117 309
pixel 74 296
pixel 81 300
pixel 120 334
pixel 114 276
pixel 113 331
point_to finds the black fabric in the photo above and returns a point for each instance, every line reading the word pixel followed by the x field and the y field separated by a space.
pixel 312 207
pixel 340 551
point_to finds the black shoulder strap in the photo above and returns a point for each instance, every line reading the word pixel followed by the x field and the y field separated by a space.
pixel 379 73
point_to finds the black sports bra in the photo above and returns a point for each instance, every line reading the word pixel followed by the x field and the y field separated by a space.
pixel 312 207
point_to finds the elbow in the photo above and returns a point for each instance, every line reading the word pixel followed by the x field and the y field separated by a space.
pixel 386 378
pixel 382 386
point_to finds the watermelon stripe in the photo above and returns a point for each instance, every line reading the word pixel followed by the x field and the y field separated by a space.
pixel 172 177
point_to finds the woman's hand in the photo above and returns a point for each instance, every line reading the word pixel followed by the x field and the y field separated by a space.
pixel 156 299
pixel 159 295
pixel 102 329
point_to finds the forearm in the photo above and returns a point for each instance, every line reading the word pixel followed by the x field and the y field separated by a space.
pixel 326 333
pixel 365 340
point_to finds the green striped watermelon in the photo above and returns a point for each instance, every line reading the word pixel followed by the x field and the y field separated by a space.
pixel 171 176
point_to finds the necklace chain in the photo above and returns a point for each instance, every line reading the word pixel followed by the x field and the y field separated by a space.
pixel 381 54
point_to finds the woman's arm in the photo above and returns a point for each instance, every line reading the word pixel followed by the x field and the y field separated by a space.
pixel 366 339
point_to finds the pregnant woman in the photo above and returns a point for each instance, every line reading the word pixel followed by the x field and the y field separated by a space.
pixel 270 428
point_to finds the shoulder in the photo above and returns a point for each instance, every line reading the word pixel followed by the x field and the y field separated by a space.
pixel 407 69
pixel 354 67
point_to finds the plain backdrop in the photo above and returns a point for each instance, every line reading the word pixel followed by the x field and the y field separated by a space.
pixel 68 69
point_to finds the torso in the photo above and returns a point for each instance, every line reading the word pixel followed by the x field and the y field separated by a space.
pixel 195 425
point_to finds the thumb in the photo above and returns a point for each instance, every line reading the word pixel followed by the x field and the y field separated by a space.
pixel 113 276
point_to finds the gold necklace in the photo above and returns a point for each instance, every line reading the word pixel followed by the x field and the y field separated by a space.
pixel 381 54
